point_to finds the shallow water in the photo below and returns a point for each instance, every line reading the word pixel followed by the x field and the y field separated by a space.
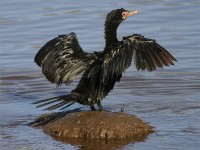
pixel 167 98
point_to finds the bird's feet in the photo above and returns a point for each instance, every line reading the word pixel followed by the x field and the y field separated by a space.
pixel 92 108
pixel 99 106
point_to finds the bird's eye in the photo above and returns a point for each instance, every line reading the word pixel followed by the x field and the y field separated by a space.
pixel 123 13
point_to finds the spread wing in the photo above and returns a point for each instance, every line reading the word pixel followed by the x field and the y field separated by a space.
pixel 62 59
pixel 147 54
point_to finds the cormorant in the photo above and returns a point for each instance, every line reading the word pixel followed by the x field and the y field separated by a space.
pixel 62 59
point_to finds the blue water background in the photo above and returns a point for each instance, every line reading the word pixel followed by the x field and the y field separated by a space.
pixel 168 98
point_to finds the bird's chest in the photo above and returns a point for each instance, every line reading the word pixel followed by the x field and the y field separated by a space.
pixel 109 54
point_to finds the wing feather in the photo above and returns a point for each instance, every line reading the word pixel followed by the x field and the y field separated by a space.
pixel 103 73
pixel 62 59
pixel 147 53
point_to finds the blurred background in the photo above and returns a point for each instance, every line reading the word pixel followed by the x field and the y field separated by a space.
pixel 167 98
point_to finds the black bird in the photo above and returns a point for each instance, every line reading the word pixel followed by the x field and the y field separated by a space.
pixel 62 59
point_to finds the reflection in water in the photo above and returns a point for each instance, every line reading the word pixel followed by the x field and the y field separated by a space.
pixel 99 145
pixel 168 98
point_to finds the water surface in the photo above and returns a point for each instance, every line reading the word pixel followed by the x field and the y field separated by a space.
pixel 167 98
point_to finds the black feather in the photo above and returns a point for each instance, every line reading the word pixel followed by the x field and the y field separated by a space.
pixel 62 59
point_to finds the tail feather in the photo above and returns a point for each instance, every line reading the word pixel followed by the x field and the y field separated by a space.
pixel 47 99
pixel 68 105
pixel 69 99
pixel 49 102
pixel 57 105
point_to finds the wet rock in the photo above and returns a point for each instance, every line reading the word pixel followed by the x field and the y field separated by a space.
pixel 98 125
pixel 86 127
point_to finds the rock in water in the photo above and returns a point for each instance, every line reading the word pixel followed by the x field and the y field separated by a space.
pixel 96 125
pixel 94 129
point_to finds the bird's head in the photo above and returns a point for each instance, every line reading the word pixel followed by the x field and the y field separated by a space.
pixel 119 15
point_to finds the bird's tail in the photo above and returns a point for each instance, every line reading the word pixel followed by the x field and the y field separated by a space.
pixel 60 101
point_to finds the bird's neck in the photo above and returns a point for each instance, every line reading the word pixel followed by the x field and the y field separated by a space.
pixel 111 34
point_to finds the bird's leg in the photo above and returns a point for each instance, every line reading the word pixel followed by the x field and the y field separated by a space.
pixel 92 107
pixel 99 105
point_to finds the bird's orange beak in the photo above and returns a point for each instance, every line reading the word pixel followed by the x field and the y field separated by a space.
pixel 127 14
